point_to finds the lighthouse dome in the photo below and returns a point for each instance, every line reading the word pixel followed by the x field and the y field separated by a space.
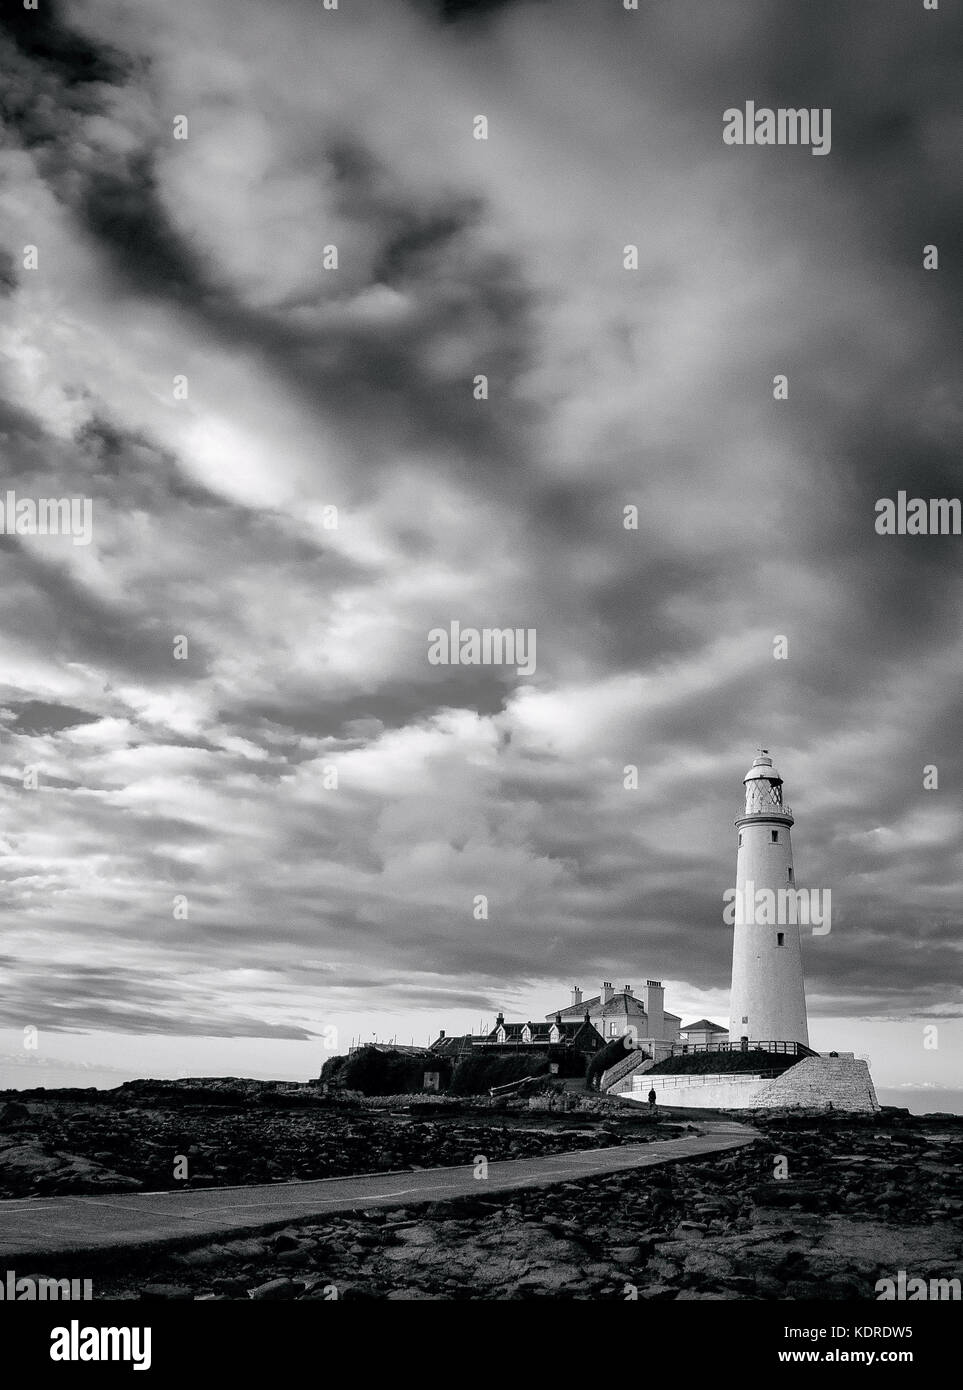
pixel 762 767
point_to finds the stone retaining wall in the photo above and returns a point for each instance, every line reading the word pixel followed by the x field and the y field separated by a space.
pixel 843 1082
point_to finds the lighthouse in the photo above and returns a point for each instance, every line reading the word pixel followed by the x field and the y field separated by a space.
pixel 768 1000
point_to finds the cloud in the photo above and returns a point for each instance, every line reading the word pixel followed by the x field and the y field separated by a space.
pixel 208 774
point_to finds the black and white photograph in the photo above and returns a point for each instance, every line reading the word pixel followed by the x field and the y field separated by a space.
pixel 481 675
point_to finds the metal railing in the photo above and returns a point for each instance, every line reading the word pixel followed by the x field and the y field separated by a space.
pixel 778 1046
pixel 773 808
pixel 690 1079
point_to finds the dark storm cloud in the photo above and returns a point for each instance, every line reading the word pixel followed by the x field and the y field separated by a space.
pixel 453 10
pixel 80 1000
pixel 46 37
pixel 38 717
pixel 126 474
pixel 895 130
pixel 73 622
pixel 133 471
pixel 355 374
pixel 8 272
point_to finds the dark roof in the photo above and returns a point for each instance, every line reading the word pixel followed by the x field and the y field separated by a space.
pixel 620 1003
pixel 703 1026
pixel 462 1043
pixel 576 1008
pixel 624 1004
pixel 541 1032
pixel 628 1004
pixel 514 1030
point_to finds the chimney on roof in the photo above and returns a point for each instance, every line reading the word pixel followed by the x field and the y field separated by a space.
pixel 558 1019
pixel 442 1033
pixel 607 991
pixel 626 989
pixel 500 1019
pixel 587 1018
pixel 576 996
pixel 653 1002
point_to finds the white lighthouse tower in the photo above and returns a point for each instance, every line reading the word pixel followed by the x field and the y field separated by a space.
pixel 768 1001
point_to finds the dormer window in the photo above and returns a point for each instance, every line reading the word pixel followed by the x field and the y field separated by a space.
pixel 526 1034
pixel 554 1035
pixel 500 1035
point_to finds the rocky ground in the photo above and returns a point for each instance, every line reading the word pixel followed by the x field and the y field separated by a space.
pixel 134 1141
pixel 862 1198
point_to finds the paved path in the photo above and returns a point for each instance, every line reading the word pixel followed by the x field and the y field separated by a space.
pixel 36 1227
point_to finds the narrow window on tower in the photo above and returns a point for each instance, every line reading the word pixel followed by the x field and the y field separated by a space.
pixel 790 873
pixel 780 938
pixel 740 837
pixel 775 837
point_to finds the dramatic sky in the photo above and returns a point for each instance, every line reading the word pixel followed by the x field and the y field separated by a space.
pixel 208 779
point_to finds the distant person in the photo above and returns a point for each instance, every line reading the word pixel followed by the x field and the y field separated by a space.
pixel 652 1098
